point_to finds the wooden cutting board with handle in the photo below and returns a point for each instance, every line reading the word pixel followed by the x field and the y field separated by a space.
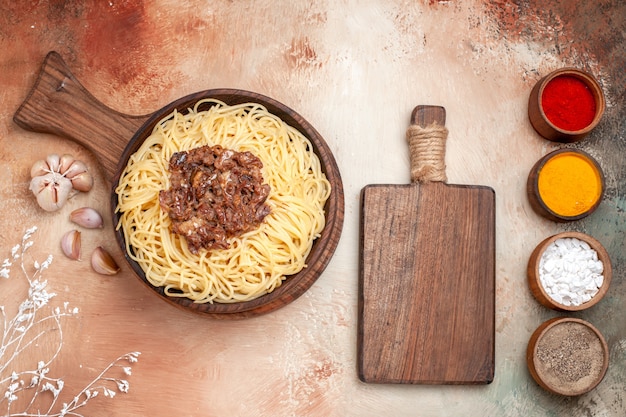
pixel 427 271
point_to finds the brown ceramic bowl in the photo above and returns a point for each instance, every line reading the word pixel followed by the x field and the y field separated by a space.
pixel 537 288
pixel 548 211
pixel 544 126
pixel 59 104
pixel 567 356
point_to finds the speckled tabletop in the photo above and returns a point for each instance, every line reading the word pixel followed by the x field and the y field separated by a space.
pixel 355 70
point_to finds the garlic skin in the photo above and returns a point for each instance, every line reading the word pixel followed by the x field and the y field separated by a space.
pixel 77 172
pixel 71 245
pixel 82 182
pixel 87 217
pixel 39 168
pixel 65 162
pixel 103 263
pixel 54 179
pixel 51 190
pixel 54 162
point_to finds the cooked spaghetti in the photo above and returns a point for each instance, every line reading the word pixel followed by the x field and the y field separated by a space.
pixel 256 262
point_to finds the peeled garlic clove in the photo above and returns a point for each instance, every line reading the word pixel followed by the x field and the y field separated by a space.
pixel 39 168
pixel 103 263
pixel 54 162
pixel 51 190
pixel 71 244
pixel 86 217
pixel 82 181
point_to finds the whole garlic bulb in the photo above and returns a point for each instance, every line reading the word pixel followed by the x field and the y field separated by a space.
pixel 52 190
pixel 54 179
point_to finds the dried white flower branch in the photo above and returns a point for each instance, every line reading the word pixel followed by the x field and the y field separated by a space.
pixel 28 328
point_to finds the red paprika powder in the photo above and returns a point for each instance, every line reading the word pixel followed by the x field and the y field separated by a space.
pixel 568 103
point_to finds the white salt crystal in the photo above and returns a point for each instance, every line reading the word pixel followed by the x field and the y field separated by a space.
pixel 598 267
pixel 570 272
pixel 548 265
pixel 599 280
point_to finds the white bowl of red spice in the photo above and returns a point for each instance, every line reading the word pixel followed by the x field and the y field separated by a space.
pixel 565 105
pixel 567 356
pixel 565 185
pixel 569 271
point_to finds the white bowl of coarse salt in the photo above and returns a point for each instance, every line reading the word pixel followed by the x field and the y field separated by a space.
pixel 570 271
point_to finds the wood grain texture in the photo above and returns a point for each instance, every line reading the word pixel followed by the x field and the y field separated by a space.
pixel 427 289
pixel 427 280
pixel 59 104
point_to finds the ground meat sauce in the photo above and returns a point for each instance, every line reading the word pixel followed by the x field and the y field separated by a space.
pixel 215 194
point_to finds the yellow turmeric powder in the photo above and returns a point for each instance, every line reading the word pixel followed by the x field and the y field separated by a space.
pixel 569 184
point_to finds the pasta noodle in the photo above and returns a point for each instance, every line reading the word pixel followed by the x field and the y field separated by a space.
pixel 256 262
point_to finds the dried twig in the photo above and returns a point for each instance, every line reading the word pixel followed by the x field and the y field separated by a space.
pixel 33 322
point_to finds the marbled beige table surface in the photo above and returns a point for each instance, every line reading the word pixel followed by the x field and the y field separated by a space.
pixel 355 70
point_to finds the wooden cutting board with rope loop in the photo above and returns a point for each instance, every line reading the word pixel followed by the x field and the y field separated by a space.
pixel 427 271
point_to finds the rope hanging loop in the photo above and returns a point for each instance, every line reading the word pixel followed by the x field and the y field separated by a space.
pixel 427 151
